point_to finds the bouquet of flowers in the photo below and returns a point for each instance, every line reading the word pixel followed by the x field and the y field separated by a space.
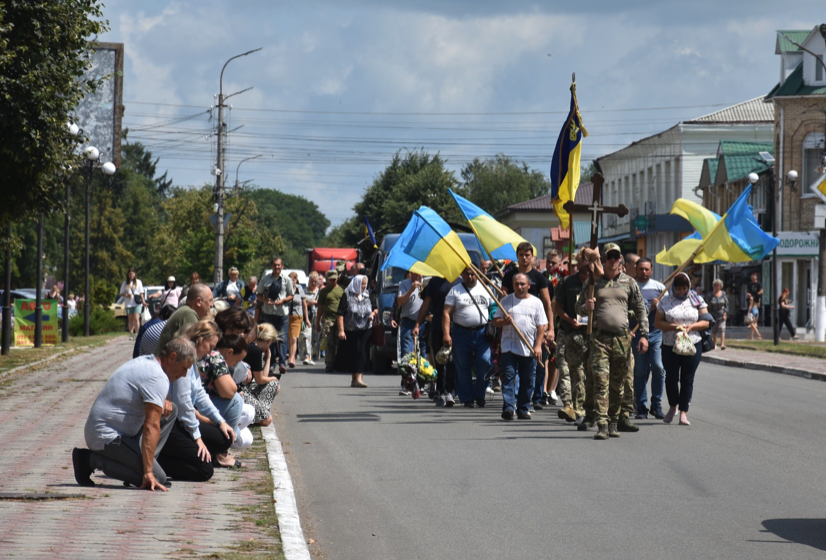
pixel 416 373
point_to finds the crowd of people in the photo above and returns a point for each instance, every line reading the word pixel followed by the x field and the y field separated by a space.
pixel 202 373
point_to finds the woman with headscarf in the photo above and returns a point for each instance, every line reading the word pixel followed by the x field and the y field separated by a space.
pixel 681 310
pixel 354 322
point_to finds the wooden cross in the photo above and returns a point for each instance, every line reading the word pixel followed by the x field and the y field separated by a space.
pixel 596 209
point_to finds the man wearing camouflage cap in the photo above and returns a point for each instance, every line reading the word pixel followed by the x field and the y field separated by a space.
pixel 615 295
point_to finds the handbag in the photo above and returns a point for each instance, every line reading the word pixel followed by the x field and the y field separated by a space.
pixel 377 333
pixel 138 299
pixel 707 340
pixel 683 345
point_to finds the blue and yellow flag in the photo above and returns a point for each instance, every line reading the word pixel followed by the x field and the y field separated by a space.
pixel 498 240
pixel 736 237
pixel 565 165
pixel 429 247
pixel 368 233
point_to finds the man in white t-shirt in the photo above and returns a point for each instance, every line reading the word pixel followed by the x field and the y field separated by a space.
pixel 131 419
pixel 526 312
pixel 468 305
pixel 652 360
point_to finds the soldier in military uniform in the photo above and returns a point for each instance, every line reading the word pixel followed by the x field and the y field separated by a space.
pixel 615 294
pixel 571 347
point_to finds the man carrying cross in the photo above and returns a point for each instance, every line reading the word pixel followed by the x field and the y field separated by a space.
pixel 615 294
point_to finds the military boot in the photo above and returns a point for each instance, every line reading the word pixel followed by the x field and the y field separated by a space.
pixel 587 423
pixel 567 413
pixel 602 432
pixel 625 425
pixel 612 430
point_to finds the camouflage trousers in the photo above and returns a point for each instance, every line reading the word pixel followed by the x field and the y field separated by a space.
pixel 330 340
pixel 575 359
pixel 612 373
pixel 563 385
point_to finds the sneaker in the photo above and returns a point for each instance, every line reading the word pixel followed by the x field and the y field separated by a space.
pixel 625 425
pixel 507 415
pixel 441 401
pixel 641 416
pixel 309 362
pixel 602 432
pixel 497 385
pixel 657 413
pixel 612 430
pixel 404 392
pixel 449 400
pixel 489 390
pixel 481 403
pixel 470 404
pixel 524 415
pixel 83 470
pixel 537 405
pixel 553 398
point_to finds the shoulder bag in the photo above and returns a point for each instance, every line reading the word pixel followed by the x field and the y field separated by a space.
pixel 491 332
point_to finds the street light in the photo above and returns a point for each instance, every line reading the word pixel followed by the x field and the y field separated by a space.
pixel 791 181
pixel 218 273
pixel 92 156
pixel 75 131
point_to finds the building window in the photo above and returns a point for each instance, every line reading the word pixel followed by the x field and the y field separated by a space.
pixel 819 68
pixel 813 166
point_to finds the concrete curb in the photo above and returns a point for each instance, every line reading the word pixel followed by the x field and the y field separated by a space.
pixel 286 509
pixel 797 372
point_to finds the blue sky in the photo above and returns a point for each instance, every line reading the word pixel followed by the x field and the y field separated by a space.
pixel 340 86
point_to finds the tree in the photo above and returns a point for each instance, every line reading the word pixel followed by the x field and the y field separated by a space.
pixel 298 221
pixel 413 178
pixel 43 50
pixel 495 184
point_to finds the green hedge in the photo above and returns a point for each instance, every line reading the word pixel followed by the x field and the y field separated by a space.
pixel 101 321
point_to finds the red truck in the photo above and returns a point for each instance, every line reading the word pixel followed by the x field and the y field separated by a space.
pixel 322 259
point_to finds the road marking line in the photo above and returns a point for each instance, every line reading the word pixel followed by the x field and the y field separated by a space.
pixel 286 509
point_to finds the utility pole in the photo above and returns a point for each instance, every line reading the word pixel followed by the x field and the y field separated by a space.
pixel 218 273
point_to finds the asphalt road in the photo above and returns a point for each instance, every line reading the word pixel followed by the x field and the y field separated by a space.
pixel 380 476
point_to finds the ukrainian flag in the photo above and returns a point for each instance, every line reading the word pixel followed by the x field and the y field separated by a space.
pixel 565 165
pixel 429 247
pixel 498 240
pixel 736 237
pixel 368 233
pixel 697 215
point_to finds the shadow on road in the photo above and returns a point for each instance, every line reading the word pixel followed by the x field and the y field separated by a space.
pixel 811 532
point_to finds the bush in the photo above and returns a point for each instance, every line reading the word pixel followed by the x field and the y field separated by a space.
pixel 101 321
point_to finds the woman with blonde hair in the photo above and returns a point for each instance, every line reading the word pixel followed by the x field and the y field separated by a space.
pixel 201 436
pixel 262 389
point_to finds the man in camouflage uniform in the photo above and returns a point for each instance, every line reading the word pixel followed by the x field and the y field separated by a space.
pixel 615 294
pixel 571 347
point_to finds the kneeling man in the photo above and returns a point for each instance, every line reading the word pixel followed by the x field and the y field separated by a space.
pixel 131 419
pixel 527 313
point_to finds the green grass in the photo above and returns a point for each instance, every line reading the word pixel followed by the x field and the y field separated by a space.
pixel 23 356
pixel 810 349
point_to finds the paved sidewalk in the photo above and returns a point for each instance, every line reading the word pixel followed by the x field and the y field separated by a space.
pixel 801 366
pixel 43 413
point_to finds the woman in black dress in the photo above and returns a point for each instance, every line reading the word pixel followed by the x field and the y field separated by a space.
pixel 354 322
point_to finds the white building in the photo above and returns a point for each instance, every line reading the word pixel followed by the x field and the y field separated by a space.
pixel 650 174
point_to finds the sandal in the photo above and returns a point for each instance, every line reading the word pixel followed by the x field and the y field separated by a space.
pixel 722 347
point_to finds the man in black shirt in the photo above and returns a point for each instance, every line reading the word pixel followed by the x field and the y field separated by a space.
pixel 433 303
pixel 541 288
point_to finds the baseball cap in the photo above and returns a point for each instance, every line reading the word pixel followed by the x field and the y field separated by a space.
pixel 611 247
pixel 170 279
pixel 332 274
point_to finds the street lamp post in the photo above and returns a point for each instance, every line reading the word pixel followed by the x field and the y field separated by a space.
pixel 774 189
pixel 92 155
pixel 74 130
pixel 218 273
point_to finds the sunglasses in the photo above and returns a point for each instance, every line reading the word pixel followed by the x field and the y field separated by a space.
pixel 613 257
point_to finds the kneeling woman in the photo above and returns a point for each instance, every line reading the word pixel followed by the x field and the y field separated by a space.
pixel 355 317
pixel 201 437
pixel 680 310
pixel 262 389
